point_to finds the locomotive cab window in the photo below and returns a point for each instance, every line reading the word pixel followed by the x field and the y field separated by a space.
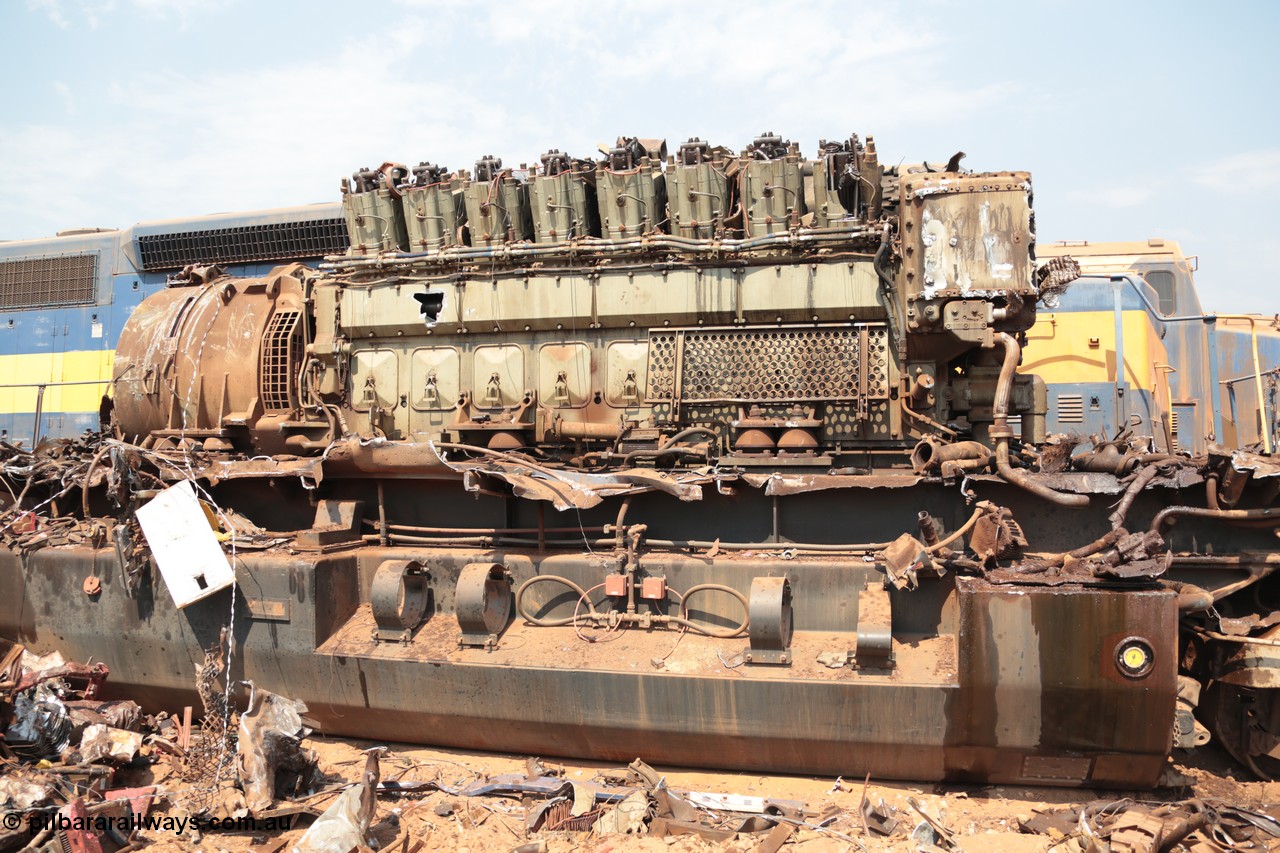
pixel 1162 282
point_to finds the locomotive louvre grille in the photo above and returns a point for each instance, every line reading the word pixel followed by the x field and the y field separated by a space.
pixel 769 366
pixel 244 244
pixel 1070 408
pixel 37 282
pixel 280 345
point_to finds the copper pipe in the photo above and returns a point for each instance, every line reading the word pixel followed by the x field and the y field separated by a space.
pixel 482 531
pixel 1140 482
pixel 1000 432
pixel 1169 513
pixel 1211 492
pixel 1231 638
pixel 88 474
pixel 1191 598
pixel 928 455
pixel 930 422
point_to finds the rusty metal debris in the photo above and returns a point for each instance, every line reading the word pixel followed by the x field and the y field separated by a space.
pixel 634 800
pixel 68 752
pixel 1126 826
pixel 272 762
pixel 63 748
pixel 344 826
pixel 931 832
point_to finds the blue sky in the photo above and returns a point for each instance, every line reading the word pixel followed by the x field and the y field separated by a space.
pixel 1136 119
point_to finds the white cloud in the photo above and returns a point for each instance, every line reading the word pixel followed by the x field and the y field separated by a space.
pixel 52 8
pixel 176 7
pixel 836 66
pixel 1114 195
pixel 181 11
pixel 44 154
pixel 64 93
pixel 64 13
pixel 233 140
pixel 1257 170
pixel 449 82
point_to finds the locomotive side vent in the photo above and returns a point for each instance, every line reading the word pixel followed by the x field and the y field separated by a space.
pixel 769 365
pixel 37 282
pixel 1070 409
pixel 244 244
pixel 281 343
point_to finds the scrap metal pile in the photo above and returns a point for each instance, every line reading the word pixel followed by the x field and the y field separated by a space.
pixel 72 760
pixel 65 749
pixel 1125 826
pixel 811 517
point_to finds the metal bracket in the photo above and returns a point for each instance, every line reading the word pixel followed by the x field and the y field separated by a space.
pixel 337 522
pixel 400 597
pixel 770 626
pixel 875 628
pixel 482 602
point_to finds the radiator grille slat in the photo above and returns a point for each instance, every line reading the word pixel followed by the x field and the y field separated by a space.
pixel 39 282
pixel 1070 408
pixel 275 241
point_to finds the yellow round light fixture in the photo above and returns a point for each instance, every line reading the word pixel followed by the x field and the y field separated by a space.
pixel 1135 658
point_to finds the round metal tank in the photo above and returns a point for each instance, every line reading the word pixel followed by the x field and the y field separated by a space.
pixel 190 359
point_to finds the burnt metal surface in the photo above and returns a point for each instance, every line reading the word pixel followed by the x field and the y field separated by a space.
pixel 483 601
pixel 399 597
pixel 873 648
pixel 770 614
pixel 589 478
pixel 994 711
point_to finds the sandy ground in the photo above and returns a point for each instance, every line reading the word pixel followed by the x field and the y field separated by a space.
pixel 982 818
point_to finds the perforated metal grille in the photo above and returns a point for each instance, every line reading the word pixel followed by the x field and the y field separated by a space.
pixel 879 423
pixel 773 365
pixel 877 362
pixel 36 282
pixel 841 421
pixel 276 241
pixel 280 344
pixel 662 365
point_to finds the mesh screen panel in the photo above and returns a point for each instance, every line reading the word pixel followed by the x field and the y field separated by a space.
pixel 36 282
pixel 276 241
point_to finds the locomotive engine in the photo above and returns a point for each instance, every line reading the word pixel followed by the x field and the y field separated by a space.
pixel 719 458
pixel 784 314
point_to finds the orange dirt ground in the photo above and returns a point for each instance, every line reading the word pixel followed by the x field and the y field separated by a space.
pixel 982 818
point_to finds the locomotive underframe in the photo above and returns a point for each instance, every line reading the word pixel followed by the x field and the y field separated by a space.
pixel 1009 679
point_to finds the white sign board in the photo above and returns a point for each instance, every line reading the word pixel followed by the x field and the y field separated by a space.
pixel 186 551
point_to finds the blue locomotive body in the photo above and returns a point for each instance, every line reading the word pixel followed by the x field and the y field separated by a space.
pixel 64 299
